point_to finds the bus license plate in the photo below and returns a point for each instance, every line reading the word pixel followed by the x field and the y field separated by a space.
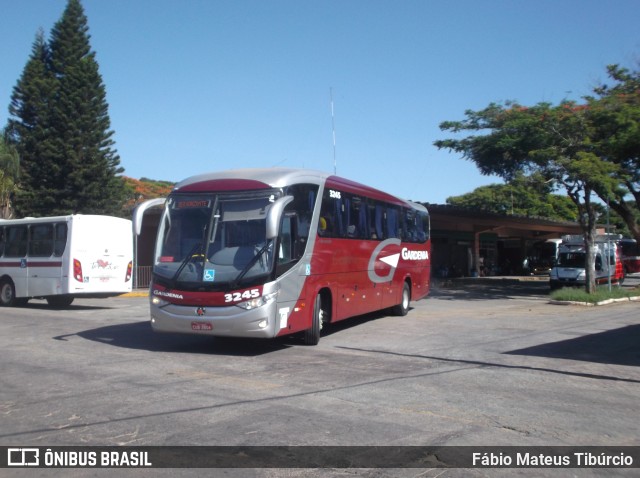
pixel 201 326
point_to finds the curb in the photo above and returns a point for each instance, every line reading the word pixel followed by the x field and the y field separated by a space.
pixel 144 293
pixel 594 304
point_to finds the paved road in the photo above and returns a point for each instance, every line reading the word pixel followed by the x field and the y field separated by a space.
pixel 491 364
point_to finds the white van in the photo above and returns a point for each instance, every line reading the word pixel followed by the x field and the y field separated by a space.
pixel 64 257
pixel 569 269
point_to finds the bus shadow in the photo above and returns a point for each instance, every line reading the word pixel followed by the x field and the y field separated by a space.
pixel 139 336
pixel 335 327
pixel 615 347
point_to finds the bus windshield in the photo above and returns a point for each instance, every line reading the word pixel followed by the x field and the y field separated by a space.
pixel 214 242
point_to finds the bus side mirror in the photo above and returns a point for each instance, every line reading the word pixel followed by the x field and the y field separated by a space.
pixel 274 214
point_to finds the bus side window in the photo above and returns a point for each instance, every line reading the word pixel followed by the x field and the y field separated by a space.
pixel 41 240
pixel 378 217
pixel 16 241
pixel 291 245
pixel 371 215
pixel 1 241
pixel 422 223
pixel 416 226
pixel 393 222
pixel 410 231
pixel 60 239
pixel 326 226
pixel 286 247
pixel 357 218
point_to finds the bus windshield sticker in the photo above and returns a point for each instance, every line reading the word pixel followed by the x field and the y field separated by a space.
pixel 209 275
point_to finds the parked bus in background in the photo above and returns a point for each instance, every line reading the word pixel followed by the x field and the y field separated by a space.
pixel 630 255
pixel 270 252
pixel 542 256
pixel 61 258
pixel 570 267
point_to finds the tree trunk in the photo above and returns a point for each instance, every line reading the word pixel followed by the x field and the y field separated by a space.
pixel 590 260
pixel 588 222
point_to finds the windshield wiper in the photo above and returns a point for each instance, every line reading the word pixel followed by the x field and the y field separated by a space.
pixel 250 264
pixel 184 263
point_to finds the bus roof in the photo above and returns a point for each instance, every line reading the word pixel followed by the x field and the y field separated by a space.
pixel 263 178
pixel 67 218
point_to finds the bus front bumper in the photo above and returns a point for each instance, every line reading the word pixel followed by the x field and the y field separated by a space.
pixel 232 321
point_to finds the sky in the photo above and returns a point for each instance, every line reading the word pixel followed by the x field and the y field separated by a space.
pixel 206 85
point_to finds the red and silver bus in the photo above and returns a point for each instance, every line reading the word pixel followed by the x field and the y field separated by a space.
pixel 64 257
pixel 630 255
pixel 270 252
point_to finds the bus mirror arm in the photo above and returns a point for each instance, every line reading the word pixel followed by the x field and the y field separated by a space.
pixel 138 213
pixel 274 214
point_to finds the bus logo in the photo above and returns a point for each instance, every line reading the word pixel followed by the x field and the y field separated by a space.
pixel 391 260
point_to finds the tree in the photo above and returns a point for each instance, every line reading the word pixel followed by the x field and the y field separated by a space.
pixel 556 142
pixel 61 127
pixel 523 196
pixel 140 190
pixel 615 112
pixel 27 130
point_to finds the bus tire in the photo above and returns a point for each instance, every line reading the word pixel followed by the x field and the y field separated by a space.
pixel 7 293
pixel 402 308
pixel 59 301
pixel 312 335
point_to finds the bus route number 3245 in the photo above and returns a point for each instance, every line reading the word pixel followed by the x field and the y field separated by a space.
pixel 240 296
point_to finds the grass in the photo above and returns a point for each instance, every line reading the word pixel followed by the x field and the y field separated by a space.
pixel 601 294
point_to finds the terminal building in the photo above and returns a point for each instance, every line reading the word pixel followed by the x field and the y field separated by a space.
pixel 467 243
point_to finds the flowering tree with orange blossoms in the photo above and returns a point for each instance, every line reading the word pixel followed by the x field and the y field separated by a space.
pixel 139 190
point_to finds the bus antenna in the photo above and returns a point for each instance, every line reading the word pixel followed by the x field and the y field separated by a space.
pixel 333 130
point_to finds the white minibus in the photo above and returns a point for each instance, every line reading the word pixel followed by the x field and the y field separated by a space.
pixel 64 257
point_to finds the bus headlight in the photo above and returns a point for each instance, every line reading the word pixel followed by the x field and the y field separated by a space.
pixel 258 302
pixel 158 302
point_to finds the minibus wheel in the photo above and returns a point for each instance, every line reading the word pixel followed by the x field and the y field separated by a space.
pixel 7 293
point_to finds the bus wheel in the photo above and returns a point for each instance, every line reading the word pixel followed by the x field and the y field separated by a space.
pixel 60 301
pixel 312 335
pixel 7 293
pixel 402 308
